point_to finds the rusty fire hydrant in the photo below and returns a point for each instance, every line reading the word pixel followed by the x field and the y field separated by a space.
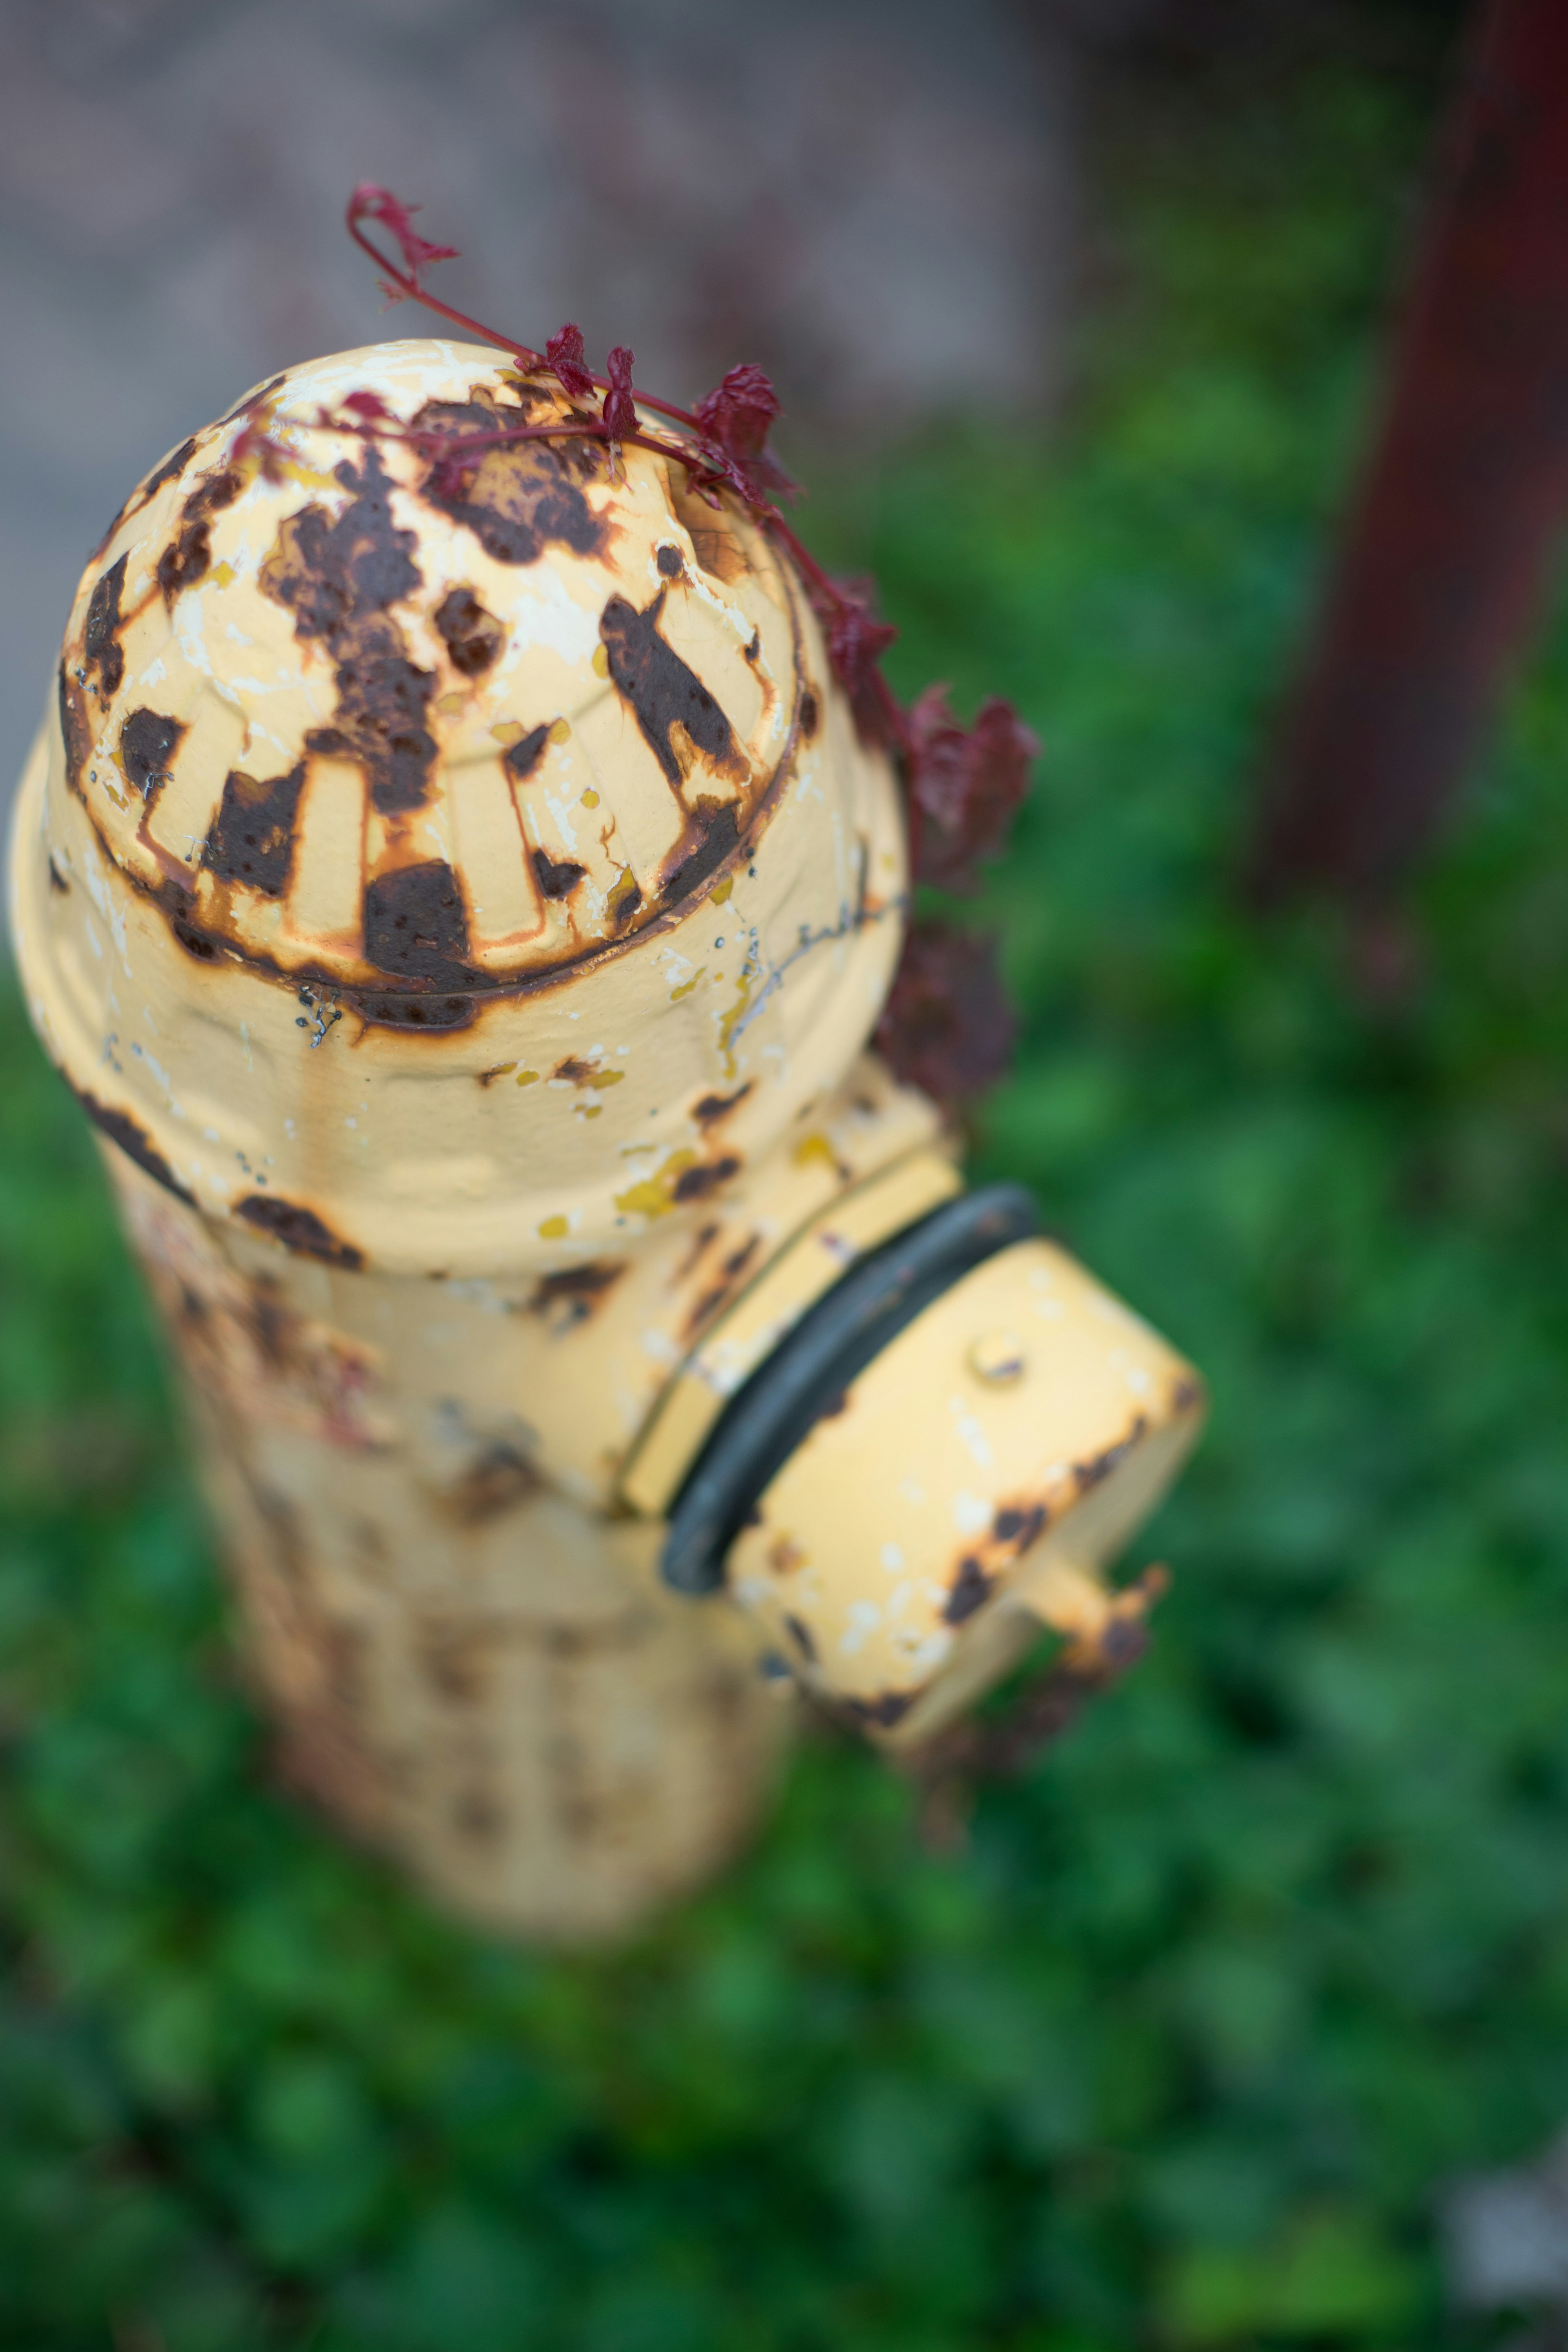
pixel 461 900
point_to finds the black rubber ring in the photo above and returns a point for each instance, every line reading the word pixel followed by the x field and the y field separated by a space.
pixel 813 1364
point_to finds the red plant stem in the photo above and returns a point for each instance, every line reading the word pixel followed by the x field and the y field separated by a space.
pixel 698 462
pixel 412 291
pixel 1442 572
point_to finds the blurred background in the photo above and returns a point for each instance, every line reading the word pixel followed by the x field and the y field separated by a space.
pixel 1241 2021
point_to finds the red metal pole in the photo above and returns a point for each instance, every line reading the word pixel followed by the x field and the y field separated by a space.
pixel 1446 561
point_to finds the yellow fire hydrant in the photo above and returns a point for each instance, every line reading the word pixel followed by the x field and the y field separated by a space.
pixel 461 900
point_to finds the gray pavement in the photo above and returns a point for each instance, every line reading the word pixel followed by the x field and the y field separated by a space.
pixel 871 197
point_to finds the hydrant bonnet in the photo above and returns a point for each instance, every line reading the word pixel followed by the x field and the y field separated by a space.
pixel 524 776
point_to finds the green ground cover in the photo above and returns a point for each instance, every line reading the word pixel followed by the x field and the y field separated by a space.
pixel 1177 2054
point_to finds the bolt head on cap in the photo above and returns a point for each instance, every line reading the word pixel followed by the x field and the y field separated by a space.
pixel 997 1358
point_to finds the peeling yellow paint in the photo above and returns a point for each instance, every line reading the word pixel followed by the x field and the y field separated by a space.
pixel 687 985
pixel 555 1229
pixel 731 1022
pixel 815 1148
pixel 655 1196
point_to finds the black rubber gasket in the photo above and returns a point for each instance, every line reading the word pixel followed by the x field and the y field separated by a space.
pixel 815 1362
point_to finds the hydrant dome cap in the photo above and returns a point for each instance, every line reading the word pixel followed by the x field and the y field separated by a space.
pixel 397 720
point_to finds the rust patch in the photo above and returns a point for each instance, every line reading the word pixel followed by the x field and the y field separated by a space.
pixel 810 714
pixel 670 561
pixel 331 572
pixel 1019 1527
pixel 709 837
pixel 664 693
pixel 731 1272
pixel 252 402
pixel 455 1661
pixel 885 1709
pixel 168 471
pixel 573 1295
pixel 472 636
pixel 717 1106
pixel 408 1011
pixel 969 1589
pixel 297 1228
pixel 338 578
pixel 56 879
pixel 498 1480
pixel 696 1183
pixel 76 727
pixel 416 925
pixel 517 502
pixel 702 1240
pixel 189 553
pixel 801 1635
pixel 100 646
pixel 146 492
pixel 196 943
pixel 557 877
pixel 575 1072
pixel 1098 1467
pixel 521 758
pixel 786 1556
pixel 148 742
pixel 704 1310
pixel 122 1129
pixel 1186 1394
pixel 383 698
pixel 625 900
pixel 252 836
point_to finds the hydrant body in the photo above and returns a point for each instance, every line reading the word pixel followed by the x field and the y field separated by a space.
pixel 457 892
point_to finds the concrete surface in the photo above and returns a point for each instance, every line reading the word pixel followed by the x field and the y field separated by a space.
pixel 872 197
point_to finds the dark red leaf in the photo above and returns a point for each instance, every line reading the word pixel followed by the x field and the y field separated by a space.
pixel 564 356
pixel 735 418
pixel 965 784
pixel 620 411
pixel 947 1025
pixel 371 202
pixel 857 641
pixel 738 413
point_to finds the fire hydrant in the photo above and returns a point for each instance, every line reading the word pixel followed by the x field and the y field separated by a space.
pixel 461 900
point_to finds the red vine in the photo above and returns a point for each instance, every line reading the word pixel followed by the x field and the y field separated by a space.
pixel 946 1022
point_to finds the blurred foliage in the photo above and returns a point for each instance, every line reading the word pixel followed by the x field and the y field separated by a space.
pixel 1179 2052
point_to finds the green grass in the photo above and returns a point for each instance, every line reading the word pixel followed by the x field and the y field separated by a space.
pixel 1179 2052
